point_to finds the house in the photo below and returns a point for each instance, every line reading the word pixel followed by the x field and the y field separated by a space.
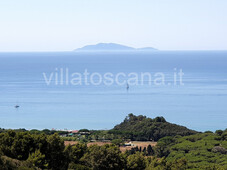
pixel 74 131
pixel 129 144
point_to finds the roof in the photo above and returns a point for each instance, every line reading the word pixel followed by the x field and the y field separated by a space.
pixel 75 131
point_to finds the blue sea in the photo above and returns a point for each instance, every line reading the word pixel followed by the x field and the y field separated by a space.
pixel 199 104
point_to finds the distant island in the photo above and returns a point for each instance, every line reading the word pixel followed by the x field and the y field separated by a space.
pixel 112 47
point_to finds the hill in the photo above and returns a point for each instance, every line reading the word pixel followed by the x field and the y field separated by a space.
pixel 201 151
pixel 111 47
pixel 143 128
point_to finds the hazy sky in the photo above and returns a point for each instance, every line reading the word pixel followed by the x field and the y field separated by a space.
pixel 63 25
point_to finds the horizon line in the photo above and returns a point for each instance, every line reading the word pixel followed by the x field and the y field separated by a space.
pixel 84 51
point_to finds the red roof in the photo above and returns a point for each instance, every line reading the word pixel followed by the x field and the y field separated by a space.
pixel 75 131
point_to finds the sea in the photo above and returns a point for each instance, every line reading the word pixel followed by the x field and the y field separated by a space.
pixel 188 88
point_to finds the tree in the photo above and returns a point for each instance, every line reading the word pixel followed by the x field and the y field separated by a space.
pixel 180 164
pixel 17 145
pixel 37 159
pixel 224 136
pixel 106 157
pixel 76 152
pixel 162 148
pixel 56 156
pixel 84 130
pixel 136 162
pixel 159 119
pixel 149 150
pixel 145 151
pixel 157 163
pixel 46 131
pixel 219 132
pixel 117 142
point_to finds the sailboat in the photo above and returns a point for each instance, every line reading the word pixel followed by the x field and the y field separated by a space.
pixel 127 87
pixel 16 106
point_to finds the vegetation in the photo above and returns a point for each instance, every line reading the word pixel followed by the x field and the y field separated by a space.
pixel 104 157
pixel 21 149
pixel 143 129
pixel 36 149
pixel 134 128
pixel 200 150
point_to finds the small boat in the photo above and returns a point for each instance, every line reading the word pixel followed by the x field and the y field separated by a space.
pixel 127 87
pixel 17 106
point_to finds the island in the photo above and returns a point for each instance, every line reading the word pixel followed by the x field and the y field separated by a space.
pixel 112 47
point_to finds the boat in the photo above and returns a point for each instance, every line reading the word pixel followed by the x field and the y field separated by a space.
pixel 127 87
pixel 17 106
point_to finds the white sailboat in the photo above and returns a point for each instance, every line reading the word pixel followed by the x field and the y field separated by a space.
pixel 127 87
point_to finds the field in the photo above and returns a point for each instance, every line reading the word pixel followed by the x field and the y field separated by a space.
pixel 122 148
pixel 137 143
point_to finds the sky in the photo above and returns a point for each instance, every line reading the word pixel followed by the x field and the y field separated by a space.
pixel 64 25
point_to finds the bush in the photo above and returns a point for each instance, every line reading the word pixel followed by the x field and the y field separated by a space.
pixel 37 159
pixel 136 162
pixel 106 157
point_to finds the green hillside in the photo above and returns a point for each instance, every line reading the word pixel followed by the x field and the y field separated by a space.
pixel 200 151
pixel 143 128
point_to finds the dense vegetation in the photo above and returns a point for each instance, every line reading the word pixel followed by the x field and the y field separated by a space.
pixel 200 150
pixel 134 128
pixel 143 128
pixel 20 149
pixel 33 149
pixel 23 150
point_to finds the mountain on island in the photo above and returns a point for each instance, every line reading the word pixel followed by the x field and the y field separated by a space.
pixel 112 47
